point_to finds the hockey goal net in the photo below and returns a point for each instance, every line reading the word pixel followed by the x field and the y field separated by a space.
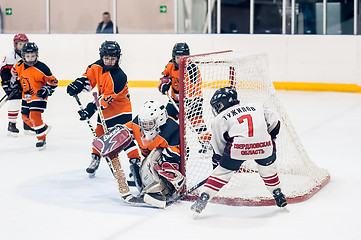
pixel 248 74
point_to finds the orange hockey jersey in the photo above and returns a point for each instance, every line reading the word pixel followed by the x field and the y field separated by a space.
pixel 167 139
pixel 112 87
pixel 32 78
pixel 193 80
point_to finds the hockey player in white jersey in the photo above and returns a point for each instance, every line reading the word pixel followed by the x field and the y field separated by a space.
pixel 241 133
pixel 9 83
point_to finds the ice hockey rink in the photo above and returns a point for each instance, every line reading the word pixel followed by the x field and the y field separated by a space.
pixel 48 195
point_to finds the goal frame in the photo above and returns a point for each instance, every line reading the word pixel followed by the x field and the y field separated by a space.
pixel 182 123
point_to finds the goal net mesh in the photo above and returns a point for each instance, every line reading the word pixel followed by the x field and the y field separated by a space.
pixel 200 77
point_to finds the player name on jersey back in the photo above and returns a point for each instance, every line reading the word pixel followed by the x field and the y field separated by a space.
pixel 238 110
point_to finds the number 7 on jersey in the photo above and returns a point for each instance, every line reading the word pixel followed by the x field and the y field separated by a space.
pixel 250 123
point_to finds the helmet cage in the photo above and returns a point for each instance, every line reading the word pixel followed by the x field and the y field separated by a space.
pixel 152 116
pixel 30 47
pixel 112 49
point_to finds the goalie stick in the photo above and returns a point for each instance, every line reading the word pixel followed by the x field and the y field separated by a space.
pixel 116 167
pixel 130 183
pixel 176 199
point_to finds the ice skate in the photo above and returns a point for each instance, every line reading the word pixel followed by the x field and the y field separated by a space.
pixel 280 199
pixel 28 130
pixel 41 144
pixel 12 130
pixel 200 204
pixel 94 165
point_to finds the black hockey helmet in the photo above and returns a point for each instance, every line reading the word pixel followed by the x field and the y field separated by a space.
pixel 29 47
pixel 110 48
pixel 179 49
pixel 222 99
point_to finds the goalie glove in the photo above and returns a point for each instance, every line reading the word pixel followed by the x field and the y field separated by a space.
pixel 170 172
pixel 87 112
pixel 164 84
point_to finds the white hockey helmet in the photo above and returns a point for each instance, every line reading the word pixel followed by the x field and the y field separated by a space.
pixel 152 115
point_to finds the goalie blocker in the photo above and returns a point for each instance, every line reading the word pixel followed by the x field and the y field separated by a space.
pixel 113 141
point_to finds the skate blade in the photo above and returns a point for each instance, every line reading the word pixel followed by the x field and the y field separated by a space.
pixel 92 175
pixel 12 134
pixel 41 148
pixel 195 214
pixel 285 209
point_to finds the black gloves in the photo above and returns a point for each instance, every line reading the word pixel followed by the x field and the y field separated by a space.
pixel 44 92
pixel 75 87
pixel 7 89
pixel 164 84
pixel 87 112
pixel 215 160
pixel 134 169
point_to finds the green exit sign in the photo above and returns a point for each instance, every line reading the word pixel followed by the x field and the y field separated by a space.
pixel 8 11
pixel 163 9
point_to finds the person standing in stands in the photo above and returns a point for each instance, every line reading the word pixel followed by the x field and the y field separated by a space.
pixel 105 26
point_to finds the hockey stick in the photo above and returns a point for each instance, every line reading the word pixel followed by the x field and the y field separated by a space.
pixel 171 202
pixel 172 101
pixel 87 119
pixel 115 165
pixel 130 183
pixel 5 98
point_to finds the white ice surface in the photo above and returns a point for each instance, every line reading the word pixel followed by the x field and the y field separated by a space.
pixel 48 195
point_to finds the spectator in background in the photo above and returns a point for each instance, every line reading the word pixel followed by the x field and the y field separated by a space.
pixel 106 26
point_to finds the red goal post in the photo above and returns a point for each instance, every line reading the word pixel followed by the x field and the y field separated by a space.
pixel 199 77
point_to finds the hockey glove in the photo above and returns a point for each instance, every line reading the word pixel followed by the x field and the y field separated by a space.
pixel 164 84
pixel 215 160
pixel 87 112
pixel 75 87
pixel 134 169
pixel 275 131
pixel 44 92
pixel 6 88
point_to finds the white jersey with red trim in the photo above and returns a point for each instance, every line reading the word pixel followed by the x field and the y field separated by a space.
pixel 8 61
pixel 247 127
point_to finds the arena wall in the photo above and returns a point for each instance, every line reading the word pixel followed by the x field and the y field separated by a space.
pixel 298 62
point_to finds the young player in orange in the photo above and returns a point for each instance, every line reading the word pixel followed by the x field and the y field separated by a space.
pixel 193 82
pixel 157 176
pixel 112 85
pixel 38 83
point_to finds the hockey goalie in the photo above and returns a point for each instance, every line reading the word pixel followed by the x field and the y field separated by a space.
pixel 157 176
